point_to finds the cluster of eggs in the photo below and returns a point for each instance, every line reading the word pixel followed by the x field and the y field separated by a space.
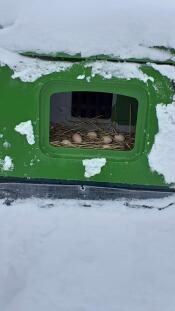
pixel 108 139
pixel 92 135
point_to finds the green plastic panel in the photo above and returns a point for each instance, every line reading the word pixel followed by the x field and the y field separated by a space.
pixel 21 102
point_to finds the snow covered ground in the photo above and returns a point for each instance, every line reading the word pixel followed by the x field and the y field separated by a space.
pixel 87 256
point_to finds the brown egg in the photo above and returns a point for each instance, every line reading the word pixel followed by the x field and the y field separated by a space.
pixel 77 138
pixel 107 139
pixel 92 135
pixel 106 146
pixel 119 138
pixel 66 142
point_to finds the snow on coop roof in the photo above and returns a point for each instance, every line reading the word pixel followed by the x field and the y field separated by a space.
pixel 117 28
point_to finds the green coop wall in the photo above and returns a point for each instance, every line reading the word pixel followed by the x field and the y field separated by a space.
pixel 20 102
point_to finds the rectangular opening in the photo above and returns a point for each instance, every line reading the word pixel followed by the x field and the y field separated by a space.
pixel 93 120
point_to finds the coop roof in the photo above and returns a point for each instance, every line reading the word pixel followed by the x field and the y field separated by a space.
pixel 121 29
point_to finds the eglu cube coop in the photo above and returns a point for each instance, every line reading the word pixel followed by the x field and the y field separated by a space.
pixel 87 128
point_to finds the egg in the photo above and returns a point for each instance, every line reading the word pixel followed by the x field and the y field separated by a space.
pixel 66 142
pixel 77 138
pixel 106 146
pixel 107 139
pixel 119 138
pixel 92 135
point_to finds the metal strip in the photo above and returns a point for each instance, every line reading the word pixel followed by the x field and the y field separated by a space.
pixel 68 191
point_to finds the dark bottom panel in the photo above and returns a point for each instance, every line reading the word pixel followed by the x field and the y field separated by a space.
pixel 15 190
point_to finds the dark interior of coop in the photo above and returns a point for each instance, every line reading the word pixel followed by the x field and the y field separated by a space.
pixel 93 120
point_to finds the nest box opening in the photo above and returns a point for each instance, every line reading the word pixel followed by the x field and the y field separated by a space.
pixel 98 120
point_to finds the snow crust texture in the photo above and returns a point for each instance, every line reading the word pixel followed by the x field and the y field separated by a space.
pixel 126 71
pixel 7 164
pixel 93 166
pixel 28 69
pixel 166 70
pixel 63 256
pixel 26 128
pixel 162 155
pixel 121 28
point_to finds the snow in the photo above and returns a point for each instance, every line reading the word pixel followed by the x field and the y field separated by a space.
pixel 7 164
pixel 116 28
pixel 162 155
pixel 124 29
pixel 26 128
pixel 93 166
pixel 80 77
pixel 126 71
pixel 166 70
pixel 28 69
pixel 63 255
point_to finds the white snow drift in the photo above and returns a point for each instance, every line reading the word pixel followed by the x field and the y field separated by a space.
pixel 62 256
pixel 162 155
pixel 124 29
pixel 28 69
pixel 126 71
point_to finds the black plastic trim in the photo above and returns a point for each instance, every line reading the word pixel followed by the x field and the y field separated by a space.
pixel 24 188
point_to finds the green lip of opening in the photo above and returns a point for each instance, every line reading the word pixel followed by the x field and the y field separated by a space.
pixel 62 56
